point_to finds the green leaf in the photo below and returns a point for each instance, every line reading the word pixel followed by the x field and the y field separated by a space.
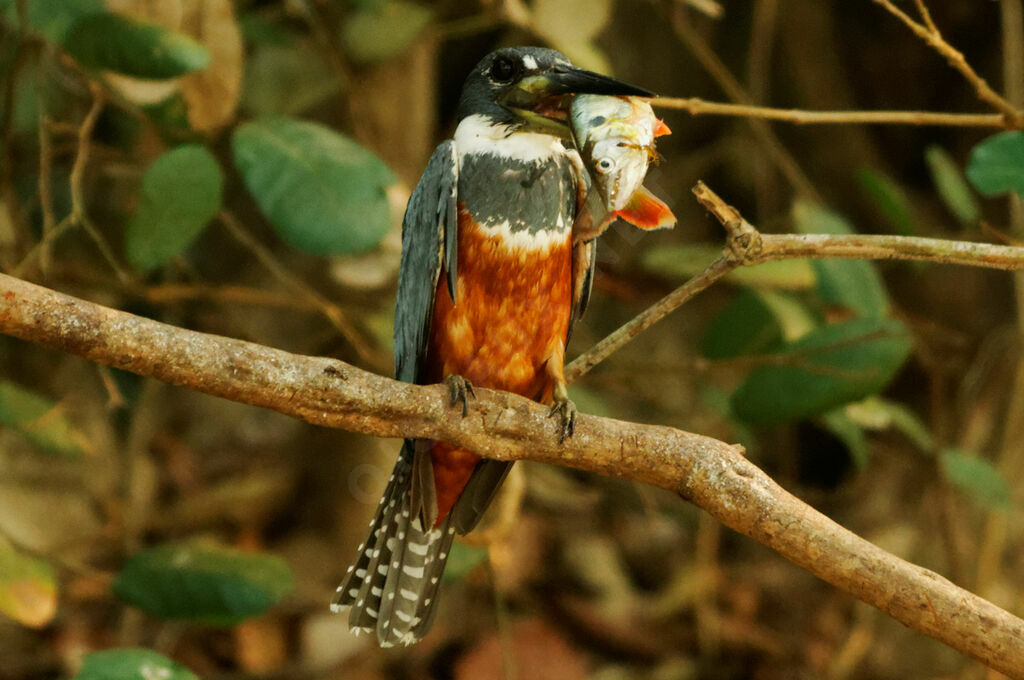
pixel 28 589
pixel 876 413
pixel 109 41
pixel 286 79
pixel 53 18
pixel 889 197
pixel 854 284
pixel 793 317
pixel 181 193
pixel 42 421
pixel 976 478
pixel 321 191
pixel 209 584
pixel 951 185
pixel 683 262
pixel 850 433
pixel 131 664
pixel 828 367
pixel 996 165
pixel 461 560
pixel 385 31
pixel 745 326
pixel 259 30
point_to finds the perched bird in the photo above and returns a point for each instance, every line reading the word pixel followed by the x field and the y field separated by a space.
pixel 489 285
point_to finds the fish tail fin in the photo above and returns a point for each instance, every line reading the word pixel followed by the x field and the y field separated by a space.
pixel 647 211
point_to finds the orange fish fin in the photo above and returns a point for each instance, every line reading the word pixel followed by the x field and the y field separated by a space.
pixel 647 211
pixel 660 129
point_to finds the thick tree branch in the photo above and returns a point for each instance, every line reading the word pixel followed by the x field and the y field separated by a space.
pixel 712 474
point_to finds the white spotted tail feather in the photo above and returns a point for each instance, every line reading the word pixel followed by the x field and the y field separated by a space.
pixel 392 587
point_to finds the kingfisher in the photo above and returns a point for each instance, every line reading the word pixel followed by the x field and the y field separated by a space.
pixel 489 286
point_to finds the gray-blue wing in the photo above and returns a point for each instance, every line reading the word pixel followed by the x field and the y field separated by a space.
pixel 429 242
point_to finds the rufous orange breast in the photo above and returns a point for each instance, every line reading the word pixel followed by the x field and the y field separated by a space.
pixel 507 330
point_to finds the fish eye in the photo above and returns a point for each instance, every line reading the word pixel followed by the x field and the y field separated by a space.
pixel 504 70
pixel 605 165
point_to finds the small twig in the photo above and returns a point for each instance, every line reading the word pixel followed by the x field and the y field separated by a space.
pixel 927 16
pixel 115 400
pixel 180 292
pixel 13 231
pixel 711 8
pixel 45 192
pixel 312 14
pixel 1010 455
pixel 79 214
pixel 699 107
pixel 78 201
pixel 36 251
pixel 700 49
pixel 934 39
pixel 650 316
pixel 746 246
pixel 280 272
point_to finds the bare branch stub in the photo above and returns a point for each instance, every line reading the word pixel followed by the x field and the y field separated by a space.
pixel 744 243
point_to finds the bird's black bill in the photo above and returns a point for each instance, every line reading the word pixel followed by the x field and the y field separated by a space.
pixel 572 80
pixel 542 101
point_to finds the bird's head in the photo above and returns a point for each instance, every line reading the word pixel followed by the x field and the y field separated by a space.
pixel 530 89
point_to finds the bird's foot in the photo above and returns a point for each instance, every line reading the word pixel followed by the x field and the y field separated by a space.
pixel 459 389
pixel 564 406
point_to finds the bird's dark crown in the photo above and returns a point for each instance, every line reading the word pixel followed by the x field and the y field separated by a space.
pixel 498 75
pixel 530 88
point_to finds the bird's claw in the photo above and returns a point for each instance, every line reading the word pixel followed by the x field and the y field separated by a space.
pixel 567 410
pixel 459 389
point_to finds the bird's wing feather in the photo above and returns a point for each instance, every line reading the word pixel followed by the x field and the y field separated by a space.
pixel 584 252
pixel 428 244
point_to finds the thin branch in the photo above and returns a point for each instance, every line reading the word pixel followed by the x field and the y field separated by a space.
pixel 712 474
pixel 331 311
pixel 747 246
pixel 79 214
pixel 235 295
pixel 926 15
pixel 700 107
pixel 582 364
pixel 711 8
pixel 930 35
pixel 45 191
pixel 700 49
pixel 13 230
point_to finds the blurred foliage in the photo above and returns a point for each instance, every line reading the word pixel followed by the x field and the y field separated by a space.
pixel 995 164
pixel 241 168
pixel 180 194
pixel 208 584
pixel 129 664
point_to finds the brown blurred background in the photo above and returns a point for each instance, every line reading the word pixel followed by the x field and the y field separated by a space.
pixel 575 576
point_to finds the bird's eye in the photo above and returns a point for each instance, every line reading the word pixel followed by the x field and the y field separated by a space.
pixel 605 165
pixel 504 70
